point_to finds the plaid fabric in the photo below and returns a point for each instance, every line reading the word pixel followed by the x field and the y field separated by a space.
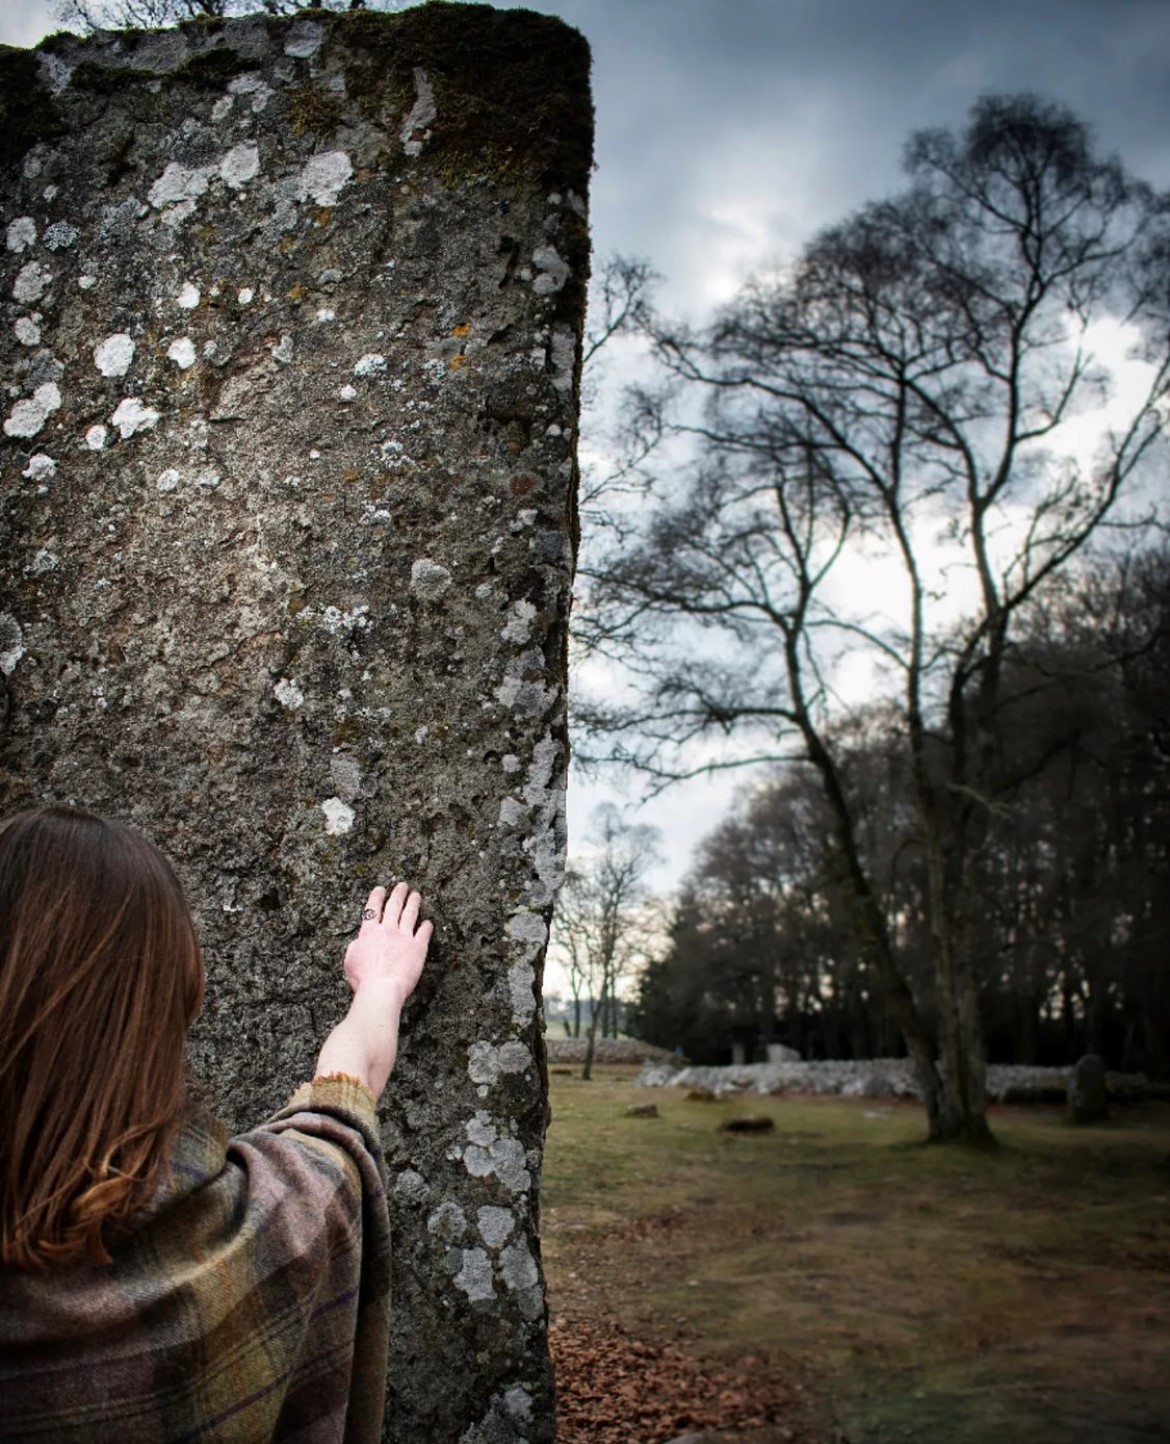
pixel 252 1303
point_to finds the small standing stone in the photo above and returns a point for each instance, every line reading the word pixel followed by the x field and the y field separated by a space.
pixel 1088 1100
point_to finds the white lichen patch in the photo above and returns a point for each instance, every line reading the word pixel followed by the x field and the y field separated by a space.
pixel 40 467
pixel 182 352
pixel 55 72
pixel 527 928
pixel 518 1267
pixel 495 1225
pixel 28 333
pixel 31 283
pixel 254 85
pixel 87 282
pixel 519 626
pixel 246 296
pixel 522 993
pixel 189 296
pixel 411 1185
pixel 416 127
pixel 520 694
pixel 303 39
pixel 339 816
pixel 131 416
pixel 113 356
pixel 563 355
pixel 371 364
pixel 513 813
pixel 289 695
pixel 487 1153
pixel 475 1275
pixel 510 762
pixel 60 236
pixel 43 561
pixel 429 580
pixel 448 1222
pixel 222 108
pixel 347 393
pixel 96 437
pixel 180 183
pixel 240 165
pixel 486 1061
pixel 551 271
pixel 11 643
pixel 324 177
pixel 21 234
pixel 29 415
pixel 168 480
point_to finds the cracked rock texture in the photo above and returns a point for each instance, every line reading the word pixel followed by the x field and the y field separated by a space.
pixel 291 338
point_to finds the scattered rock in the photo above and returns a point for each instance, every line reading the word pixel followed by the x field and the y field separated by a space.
pixel 748 1123
pixel 607 1050
pixel 1088 1098
pixel 878 1078
pixel 642 1110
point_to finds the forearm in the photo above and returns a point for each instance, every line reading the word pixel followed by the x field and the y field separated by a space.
pixel 365 1043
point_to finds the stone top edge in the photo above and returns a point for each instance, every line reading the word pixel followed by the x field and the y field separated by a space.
pixel 512 86
pixel 435 30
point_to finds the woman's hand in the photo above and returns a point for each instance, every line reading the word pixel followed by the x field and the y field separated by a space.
pixel 382 966
pixel 392 944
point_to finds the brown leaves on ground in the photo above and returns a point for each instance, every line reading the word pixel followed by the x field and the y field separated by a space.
pixel 614 1388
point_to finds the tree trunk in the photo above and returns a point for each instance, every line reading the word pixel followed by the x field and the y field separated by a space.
pixel 591 1042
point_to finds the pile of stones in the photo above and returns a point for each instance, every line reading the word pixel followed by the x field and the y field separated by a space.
pixel 882 1078
pixel 606 1050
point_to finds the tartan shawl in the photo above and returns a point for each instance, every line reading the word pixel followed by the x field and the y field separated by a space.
pixel 251 1301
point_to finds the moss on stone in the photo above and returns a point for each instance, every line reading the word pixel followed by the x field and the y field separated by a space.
pixel 313 110
pixel 99 79
pixel 27 111
pixel 210 69
pixel 507 83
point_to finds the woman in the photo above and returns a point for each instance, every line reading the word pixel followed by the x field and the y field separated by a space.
pixel 158 1282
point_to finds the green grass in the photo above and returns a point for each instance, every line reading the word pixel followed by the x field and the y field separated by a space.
pixel 930 1293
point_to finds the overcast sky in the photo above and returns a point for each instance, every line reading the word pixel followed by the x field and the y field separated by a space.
pixel 729 130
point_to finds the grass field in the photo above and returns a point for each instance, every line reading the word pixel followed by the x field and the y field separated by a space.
pixel 901 1292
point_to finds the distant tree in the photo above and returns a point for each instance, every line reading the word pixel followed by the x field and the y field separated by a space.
pixel 897 395
pixel 599 923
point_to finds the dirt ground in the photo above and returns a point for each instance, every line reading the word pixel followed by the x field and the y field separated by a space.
pixel 835 1280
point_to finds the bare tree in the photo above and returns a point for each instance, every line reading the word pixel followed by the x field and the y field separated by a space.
pixel 598 925
pixel 898 399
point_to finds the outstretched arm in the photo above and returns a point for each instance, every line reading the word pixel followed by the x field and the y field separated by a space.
pixel 382 966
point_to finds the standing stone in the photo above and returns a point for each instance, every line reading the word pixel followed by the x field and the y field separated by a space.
pixel 1088 1101
pixel 291 337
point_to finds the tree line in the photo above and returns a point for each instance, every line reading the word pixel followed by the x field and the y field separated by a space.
pixel 1071 948
pixel 909 458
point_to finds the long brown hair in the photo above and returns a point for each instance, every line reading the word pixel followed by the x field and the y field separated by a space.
pixel 100 978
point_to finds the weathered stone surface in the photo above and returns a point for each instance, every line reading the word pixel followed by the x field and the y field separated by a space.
pixel 291 321
pixel 1088 1097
